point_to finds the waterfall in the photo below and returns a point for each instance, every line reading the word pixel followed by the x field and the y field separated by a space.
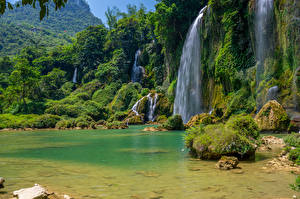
pixel 151 106
pixel 263 25
pixel 136 71
pixel 75 76
pixel 188 101
pixel 272 93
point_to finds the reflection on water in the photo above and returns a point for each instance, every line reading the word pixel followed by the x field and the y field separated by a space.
pixel 128 164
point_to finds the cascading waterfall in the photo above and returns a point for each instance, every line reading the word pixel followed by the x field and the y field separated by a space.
pixel 263 23
pixel 75 76
pixel 136 71
pixel 151 106
pixel 188 101
pixel 272 93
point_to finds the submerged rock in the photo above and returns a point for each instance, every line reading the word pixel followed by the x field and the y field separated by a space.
pixel 227 163
pixel 282 163
pixel 2 182
pixel 272 117
pixel 36 192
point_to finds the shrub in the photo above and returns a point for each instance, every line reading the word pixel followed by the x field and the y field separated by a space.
pixel 46 121
pixel 116 125
pixel 296 186
pixel 215 141
pixel 161 119
pixel 63 124
pixel 174 123
pixel 244 124
pixel 294 155
pixel 292 140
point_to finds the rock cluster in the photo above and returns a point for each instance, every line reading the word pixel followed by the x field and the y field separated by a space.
pixel 283 163
pixel 227 163
pixel 268 143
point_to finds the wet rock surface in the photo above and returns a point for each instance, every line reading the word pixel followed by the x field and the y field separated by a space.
pixel 227 163
pixel 268 143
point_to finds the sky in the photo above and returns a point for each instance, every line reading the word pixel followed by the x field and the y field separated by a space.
pixel 98 7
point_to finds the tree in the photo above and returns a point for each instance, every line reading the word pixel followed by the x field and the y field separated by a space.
pixel 23 79
pixel 44 9
pixel 51 83
pixel 89 47
pixel 112 16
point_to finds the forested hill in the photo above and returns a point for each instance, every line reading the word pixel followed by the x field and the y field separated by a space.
pixel 56 29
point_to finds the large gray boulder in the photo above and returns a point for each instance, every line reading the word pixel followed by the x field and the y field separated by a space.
pixel 36 192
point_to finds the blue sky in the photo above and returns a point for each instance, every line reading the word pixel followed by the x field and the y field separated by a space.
pixel 98 7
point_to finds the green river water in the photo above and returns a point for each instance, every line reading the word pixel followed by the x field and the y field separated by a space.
pixel 117 164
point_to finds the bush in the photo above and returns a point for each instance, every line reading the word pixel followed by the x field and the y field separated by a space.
pixel 174 123
pixel 292 140
pixel 161 119
pixel 294 155
pixel 63 124
pixel 116 125
pixel 244 124
pixel 215 141
pixel 46 121
pixel 296 186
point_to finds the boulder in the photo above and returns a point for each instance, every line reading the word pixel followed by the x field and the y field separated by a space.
pixel 35 192
pixel 135 120
pixel 154 129
pixel 272 117
pixel 295 125
pixel 227 163
pixel 203 118
pixel 2 182
pixel 173 123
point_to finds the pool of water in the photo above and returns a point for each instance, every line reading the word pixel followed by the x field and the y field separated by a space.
pixel 129 163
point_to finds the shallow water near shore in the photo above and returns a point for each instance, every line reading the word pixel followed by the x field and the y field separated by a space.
pixel 129 163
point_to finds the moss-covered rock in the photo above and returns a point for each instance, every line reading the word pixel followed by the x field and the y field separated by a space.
pixel 272 117
pixel 203 118
pixel 116 125
pixel 173 123
pixel 161 119
pixel 135 120
pixel 163 106
pixel 215 141
pixel 237 137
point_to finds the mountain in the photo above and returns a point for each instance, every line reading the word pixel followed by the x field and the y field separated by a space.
pixel 55 29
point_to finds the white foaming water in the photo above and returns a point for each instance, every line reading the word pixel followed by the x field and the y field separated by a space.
pixel 188 101
pixel 151 106
pixel 272 93
pixel 263 23
pixel 75 76
pixel 136 71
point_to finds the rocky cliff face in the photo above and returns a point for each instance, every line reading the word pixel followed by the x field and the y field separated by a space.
pixel 228 56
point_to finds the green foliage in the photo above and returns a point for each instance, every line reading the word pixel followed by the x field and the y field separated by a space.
pixel 106 95
pixel 22 80
pixel 236 138
pixel 292 140
pixel 46 121
pixel 89 47
pixel 115 70
pixel 294 155
pixel 116 125
pixel 126 97
pixel 174 123
pixel 50 84
pixel 296 186
pixel 244 124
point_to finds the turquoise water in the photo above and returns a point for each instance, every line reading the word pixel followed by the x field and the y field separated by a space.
pixel 128 164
